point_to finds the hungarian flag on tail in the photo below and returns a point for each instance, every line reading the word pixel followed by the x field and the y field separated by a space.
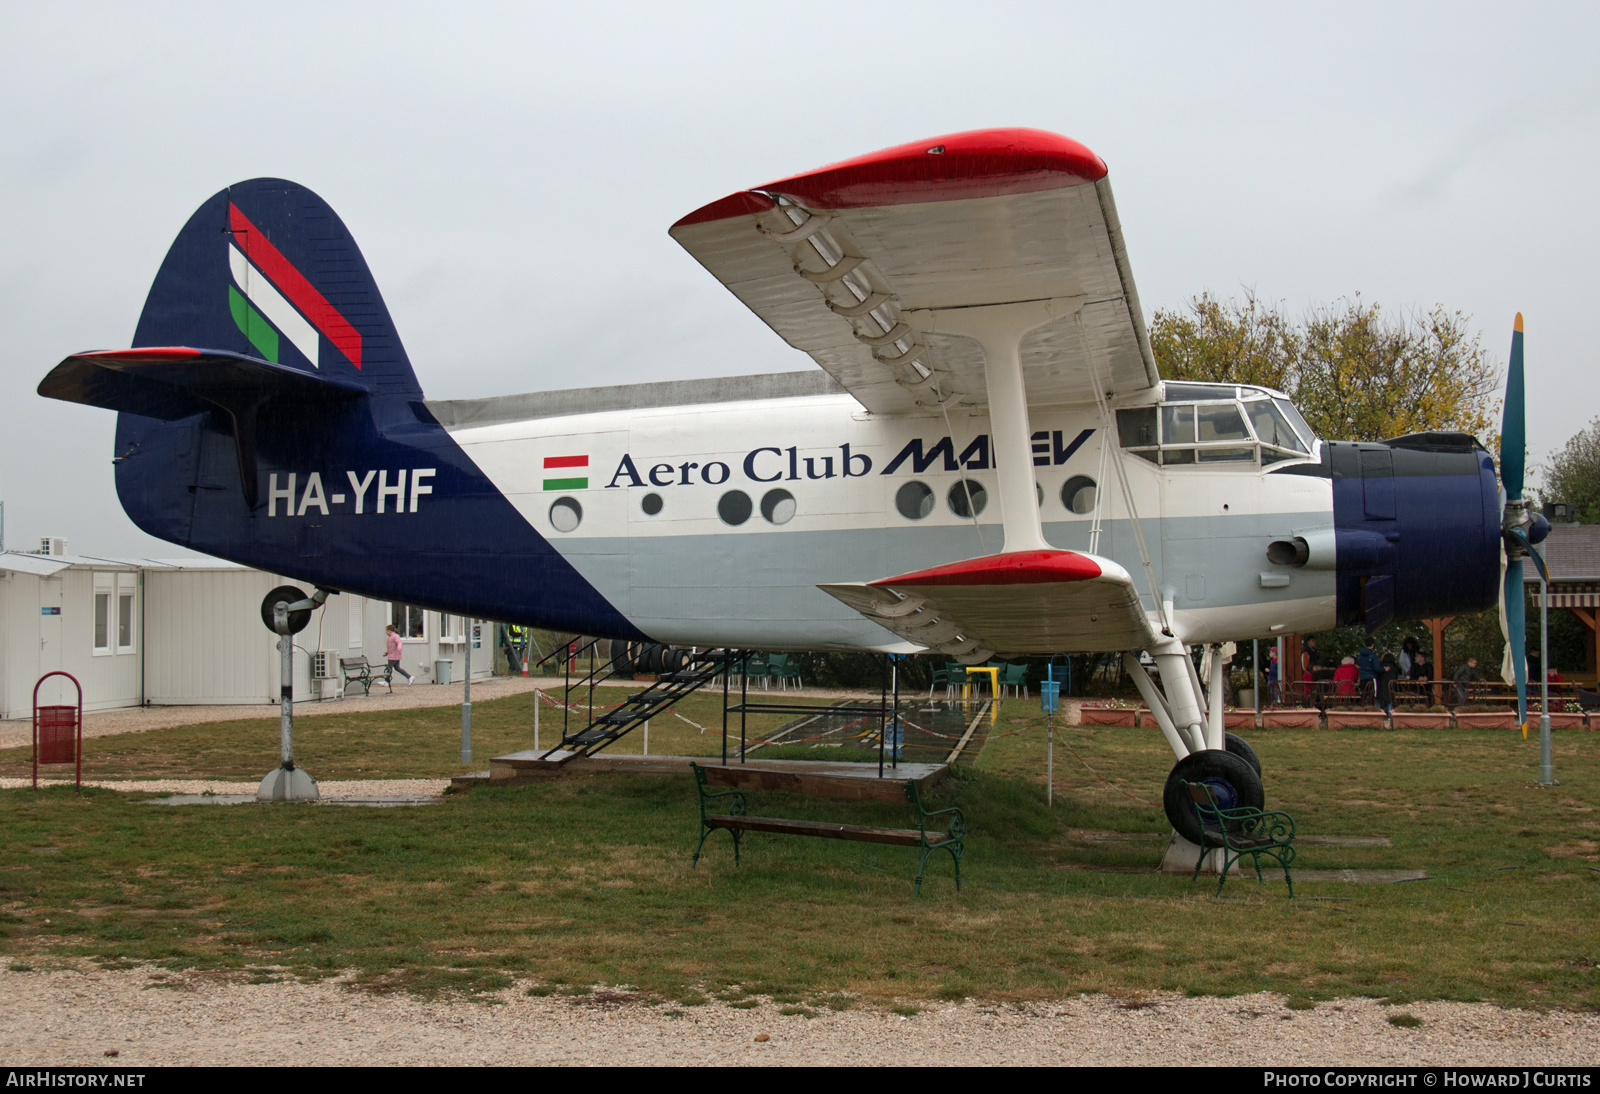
pixel 272 301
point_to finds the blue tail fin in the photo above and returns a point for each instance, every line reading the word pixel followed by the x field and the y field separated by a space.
pixel 267 270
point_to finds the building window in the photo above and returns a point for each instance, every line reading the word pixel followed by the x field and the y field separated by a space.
pixel 104 595
pixel 410 620
pixel 451 627
pixel 126 591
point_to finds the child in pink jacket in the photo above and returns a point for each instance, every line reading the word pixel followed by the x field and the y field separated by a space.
pixel 391 652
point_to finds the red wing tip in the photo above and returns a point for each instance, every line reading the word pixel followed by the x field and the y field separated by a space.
pixel 143 353
pixel 1014 568
pixel 977 163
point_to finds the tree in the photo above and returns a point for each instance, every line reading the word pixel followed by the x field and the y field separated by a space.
pixel 1354 373
pixel 1574 475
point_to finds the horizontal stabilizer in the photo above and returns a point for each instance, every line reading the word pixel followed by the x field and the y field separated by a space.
pixel 1023 602
pixel 174 382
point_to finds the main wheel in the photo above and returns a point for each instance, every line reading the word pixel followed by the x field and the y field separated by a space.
pixel 1241 748
pixel 285 594
pixel 1233 782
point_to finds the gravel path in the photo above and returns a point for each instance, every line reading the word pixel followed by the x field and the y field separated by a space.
pixel 150 1017
pixel 366 788
pixel 17 733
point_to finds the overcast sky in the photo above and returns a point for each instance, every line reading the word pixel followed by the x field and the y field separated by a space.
pixel 510 173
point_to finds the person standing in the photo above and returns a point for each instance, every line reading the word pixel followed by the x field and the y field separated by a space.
pixel 1388 673
pixel 391 653
pixel 1408 654
pixel 1367 666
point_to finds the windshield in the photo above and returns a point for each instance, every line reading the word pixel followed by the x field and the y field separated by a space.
pixel 1272 427
pixel 1262 427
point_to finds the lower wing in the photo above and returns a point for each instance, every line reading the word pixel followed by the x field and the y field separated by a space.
pixel 1025 602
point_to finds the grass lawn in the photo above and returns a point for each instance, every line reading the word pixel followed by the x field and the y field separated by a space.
pixel 585 879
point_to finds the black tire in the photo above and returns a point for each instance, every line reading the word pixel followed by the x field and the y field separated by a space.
pixel 1234 782
pixel 1241 748
pixel 286 594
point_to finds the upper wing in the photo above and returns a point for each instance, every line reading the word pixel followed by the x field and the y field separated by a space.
pixel 1019 603
pixel 840 262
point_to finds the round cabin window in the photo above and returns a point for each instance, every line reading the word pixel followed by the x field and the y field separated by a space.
pixel 967 498
pixel 914 500
pixel 566 514
pixel 1079 494
pixel 734 507
pixel 651 504
pixel 778 506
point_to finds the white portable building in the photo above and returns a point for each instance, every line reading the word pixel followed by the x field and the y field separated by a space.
pixel 186 632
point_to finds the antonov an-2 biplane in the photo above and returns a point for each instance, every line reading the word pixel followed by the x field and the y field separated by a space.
pixel 986 464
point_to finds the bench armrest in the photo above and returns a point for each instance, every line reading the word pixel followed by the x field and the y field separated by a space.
pixel 958 819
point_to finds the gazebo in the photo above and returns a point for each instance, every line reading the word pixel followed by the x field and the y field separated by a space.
pixel 1572 554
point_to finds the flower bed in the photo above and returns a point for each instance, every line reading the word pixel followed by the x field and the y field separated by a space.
pixel 1355 719
pixel 1292 719
pixel 1107 716
pixel 1239 719
pixel 1421 720
pixel 1497 720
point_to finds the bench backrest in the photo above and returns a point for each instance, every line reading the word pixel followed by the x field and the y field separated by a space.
pixel 353 662
pixel 850 788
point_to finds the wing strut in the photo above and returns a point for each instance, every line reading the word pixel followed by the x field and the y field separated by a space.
pixel 999 329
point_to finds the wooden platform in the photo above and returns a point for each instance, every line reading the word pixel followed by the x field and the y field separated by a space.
pixel 794 776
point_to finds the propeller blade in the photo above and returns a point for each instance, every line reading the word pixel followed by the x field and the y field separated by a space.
pixel 1513 424
pixel 1513 607
pixel 1527 545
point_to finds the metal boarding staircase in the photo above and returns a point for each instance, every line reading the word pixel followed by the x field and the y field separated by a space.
pixel 611 725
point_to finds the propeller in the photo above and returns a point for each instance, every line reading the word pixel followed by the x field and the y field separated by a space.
pixel 1519 529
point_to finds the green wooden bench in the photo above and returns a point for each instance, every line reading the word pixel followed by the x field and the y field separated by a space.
pixel 734 781
pixel 1240 832
pixel 358 670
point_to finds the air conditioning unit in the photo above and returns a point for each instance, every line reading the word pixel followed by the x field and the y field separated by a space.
pixel 325 665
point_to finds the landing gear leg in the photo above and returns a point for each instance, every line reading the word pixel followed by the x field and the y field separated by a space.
pixel 1190 717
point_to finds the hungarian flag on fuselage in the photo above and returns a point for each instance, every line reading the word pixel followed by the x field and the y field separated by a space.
pixel 272 301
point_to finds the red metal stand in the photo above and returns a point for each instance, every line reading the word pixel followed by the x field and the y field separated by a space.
pixel 58 732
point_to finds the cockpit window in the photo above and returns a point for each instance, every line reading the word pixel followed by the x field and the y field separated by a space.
pixel 1136 429
pixel 1271 426
pixel 1217 430
pixel 1291 412
pixel 1222 422
pixel 1177 424
pixel 1181 393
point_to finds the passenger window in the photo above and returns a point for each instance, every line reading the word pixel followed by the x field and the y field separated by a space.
pixel 914 500
pixel 1078 494
pixel 967 499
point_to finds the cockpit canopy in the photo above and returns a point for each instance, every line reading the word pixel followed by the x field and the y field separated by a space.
pixel 1228 424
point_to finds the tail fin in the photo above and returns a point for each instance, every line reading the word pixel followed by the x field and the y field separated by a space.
pixel 263 299
pixel 267 270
